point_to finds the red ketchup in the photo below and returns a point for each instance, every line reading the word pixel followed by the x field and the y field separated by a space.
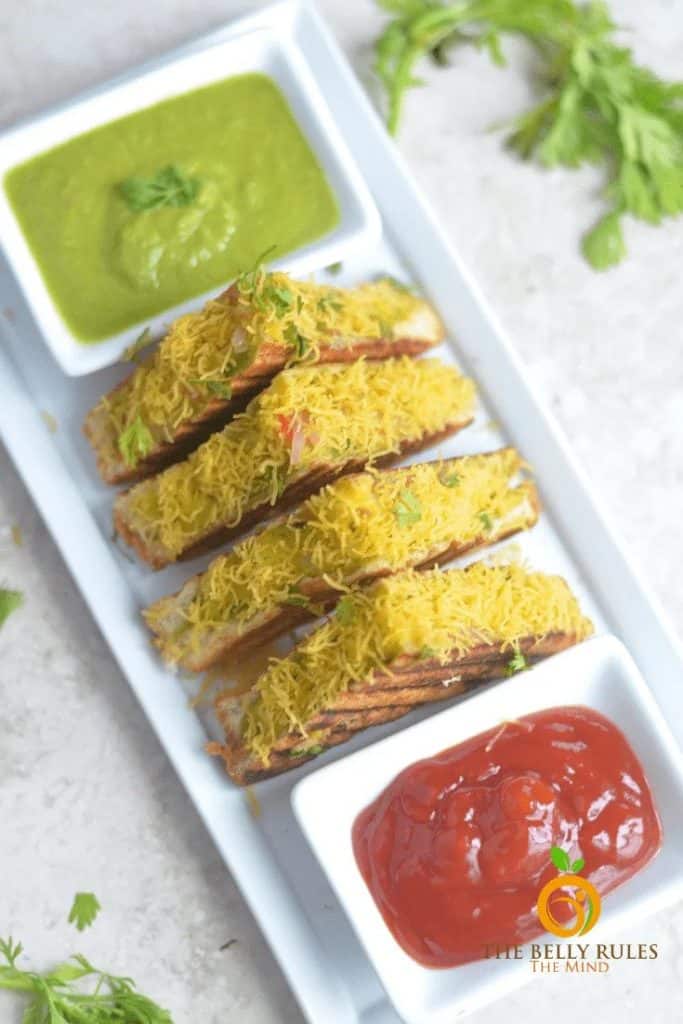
pixel 456 849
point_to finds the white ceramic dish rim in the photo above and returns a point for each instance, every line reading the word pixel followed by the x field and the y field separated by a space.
pixel 257 50
pixel 599 674
pixel 324 989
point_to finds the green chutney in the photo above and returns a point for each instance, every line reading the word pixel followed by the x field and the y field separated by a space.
pixel 107 266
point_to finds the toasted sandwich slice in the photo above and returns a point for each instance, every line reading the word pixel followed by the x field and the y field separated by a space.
pixel 361 527
pixel 311 425
pixel 210 363
pixel 406 640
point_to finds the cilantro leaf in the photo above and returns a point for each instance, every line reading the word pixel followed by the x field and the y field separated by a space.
pixel 604 246
pixel 600 106
pixel 294 338
pixel 345 610
pixel 407 509
pixel 168 187
pixel 297 598
pixel 219 388
pixel 449 479
pixel 10 600
pixel 84 910
pixel 517 663
pixel 135 442
pixel 486 521
pixel 58 996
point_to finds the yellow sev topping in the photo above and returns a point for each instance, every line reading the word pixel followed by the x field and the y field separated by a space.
pixel 351 528
pixel 202 352
pixel 430 614
pixel 309 417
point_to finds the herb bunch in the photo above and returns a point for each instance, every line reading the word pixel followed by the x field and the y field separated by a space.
pixel 61 997
pixel 600 106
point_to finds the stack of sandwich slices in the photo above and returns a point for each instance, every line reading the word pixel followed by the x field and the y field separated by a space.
pixel 289 403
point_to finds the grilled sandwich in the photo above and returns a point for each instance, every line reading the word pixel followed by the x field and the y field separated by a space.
pixel 210 363
pixel 310 426
pixel 361 527
pixel 409 639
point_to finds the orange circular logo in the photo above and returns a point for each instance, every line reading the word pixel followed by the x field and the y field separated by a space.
pixel 573 891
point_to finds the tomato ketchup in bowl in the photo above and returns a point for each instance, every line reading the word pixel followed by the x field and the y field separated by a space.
pixel 456 850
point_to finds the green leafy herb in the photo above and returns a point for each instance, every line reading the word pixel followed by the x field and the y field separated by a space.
pixel 130 354
pixel 135 442
pixel 517 663
pixel 426 652
pixel 449 479
pixel 297 598
pixel 219 388
pixel 84 910
pixel 168 187
pixel 486 521
pixel 317 748
pixel 335 268
pixel 346 610
pixel 600 106
pixel 294 338
pixel 10 600
pixel 407 509
pixel 61 997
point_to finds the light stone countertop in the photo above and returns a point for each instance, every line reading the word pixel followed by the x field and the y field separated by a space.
pixel 87 798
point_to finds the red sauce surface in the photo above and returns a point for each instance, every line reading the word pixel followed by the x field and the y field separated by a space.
pixel 457 848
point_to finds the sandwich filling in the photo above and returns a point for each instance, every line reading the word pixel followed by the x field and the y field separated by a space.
pixel 429 615
pixel 308 418
pixel 362 524
pixel 201 354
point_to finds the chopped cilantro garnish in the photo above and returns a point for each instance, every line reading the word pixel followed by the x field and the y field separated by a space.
pixel 407 509
pixel 449 479
pixel 168 187
pixel 135 442
pixel 346 610
pixel 517 663
pixel 486 521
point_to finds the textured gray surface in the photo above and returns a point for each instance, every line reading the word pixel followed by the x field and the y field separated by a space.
pixel 87 798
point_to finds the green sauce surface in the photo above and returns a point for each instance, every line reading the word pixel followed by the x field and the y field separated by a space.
pixel 108 267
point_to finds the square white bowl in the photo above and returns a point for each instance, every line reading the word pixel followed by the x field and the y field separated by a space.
pixel 599 674
pixel 259 50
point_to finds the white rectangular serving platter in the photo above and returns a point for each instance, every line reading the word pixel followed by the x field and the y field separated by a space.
pixel 261 50
pixel 267 855
pixel 599 674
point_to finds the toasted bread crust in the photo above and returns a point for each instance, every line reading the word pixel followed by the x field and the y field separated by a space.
pixel 323 596
pixel 386 698
pixel 291 496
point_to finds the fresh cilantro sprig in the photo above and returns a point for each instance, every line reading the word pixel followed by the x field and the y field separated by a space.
pixel 600 106
pixel 168 187
pixel 76 992
pixel 84 910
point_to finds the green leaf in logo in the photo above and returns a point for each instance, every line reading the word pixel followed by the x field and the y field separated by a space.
pixel 577 865
pixel 560 858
